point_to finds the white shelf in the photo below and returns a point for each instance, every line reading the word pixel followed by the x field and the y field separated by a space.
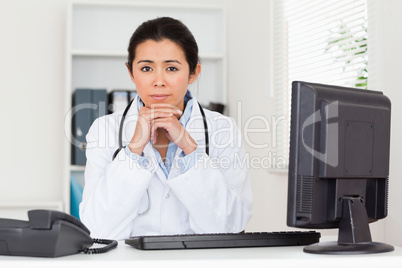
pixel 123 54
pixel 77 168
pixel 98 53
pixel 148 5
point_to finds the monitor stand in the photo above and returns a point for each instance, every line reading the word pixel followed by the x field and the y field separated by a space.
pixel 354 233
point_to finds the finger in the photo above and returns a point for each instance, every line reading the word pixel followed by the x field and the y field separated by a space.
pixel 149 117
pixel 162 105
pixel 162 121
pixel 158 114
pixel 154 133
pixel 155 137
pixel 162 112
pixel 173 129
pixel 168 109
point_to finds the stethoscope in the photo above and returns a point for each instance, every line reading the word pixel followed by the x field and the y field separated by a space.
pixel 204 119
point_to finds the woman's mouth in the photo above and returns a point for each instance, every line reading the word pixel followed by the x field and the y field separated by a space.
pixel 159 97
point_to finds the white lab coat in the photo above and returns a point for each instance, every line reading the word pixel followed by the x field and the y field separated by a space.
pixel 211 197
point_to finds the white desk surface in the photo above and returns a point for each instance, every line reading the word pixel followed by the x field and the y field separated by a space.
pixel 127 256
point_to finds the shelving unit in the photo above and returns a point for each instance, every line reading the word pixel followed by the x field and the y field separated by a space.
pixel 96 52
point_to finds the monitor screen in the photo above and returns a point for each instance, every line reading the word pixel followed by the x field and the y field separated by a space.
pixel 339 164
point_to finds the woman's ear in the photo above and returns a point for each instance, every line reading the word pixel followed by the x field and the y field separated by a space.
pixel 195 74
pixel 129 71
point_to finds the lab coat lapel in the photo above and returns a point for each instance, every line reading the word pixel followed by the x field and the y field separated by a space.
pixel 130 122
pixel 149 151
pixel 195 126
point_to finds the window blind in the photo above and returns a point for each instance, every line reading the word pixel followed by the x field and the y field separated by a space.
pixel 321 41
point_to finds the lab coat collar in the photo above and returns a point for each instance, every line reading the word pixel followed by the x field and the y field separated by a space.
pixel 195 126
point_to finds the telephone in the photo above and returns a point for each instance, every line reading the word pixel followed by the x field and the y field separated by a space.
pixel 48 233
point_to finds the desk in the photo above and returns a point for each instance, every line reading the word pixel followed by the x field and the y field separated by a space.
pixel 127 256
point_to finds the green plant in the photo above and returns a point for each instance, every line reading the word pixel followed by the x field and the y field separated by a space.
pixel 353 49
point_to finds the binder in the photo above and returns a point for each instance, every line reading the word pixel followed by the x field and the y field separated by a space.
pixel 88 104
pixel 76 190
pixel 119 99
pixel 217 107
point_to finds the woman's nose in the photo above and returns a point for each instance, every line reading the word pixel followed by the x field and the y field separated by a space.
pixel 159 79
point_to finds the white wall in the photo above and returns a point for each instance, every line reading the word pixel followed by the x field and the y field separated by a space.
pixel 31 84
pixel 249 66
pixel 249 92
pixel 389 49
pixel 32 118
pixel 249 96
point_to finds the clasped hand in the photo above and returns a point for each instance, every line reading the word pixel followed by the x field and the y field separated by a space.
pixel 165 117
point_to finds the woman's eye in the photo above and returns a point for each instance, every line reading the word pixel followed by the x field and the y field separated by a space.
pixel 146 69
pixel 172 69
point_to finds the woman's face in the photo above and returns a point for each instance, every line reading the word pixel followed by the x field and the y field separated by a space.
pixel 161 73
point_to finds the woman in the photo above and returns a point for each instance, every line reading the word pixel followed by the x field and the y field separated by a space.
pixel 165 180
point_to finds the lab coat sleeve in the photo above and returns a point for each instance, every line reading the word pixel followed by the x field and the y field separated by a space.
pixel 216 191
pixel 142 160
pixel 186 162
pixel 113 189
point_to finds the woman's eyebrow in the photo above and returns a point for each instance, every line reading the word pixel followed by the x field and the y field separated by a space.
pixel 166 61
pixel 147 61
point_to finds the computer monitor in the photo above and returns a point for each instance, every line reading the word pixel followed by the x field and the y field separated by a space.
pixel 339 164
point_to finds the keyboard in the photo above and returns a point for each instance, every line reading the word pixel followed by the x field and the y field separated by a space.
pixel 225 240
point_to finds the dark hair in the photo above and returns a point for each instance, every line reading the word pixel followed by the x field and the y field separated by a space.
pixel 165 28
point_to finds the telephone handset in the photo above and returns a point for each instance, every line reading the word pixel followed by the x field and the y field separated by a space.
pixel 48 233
